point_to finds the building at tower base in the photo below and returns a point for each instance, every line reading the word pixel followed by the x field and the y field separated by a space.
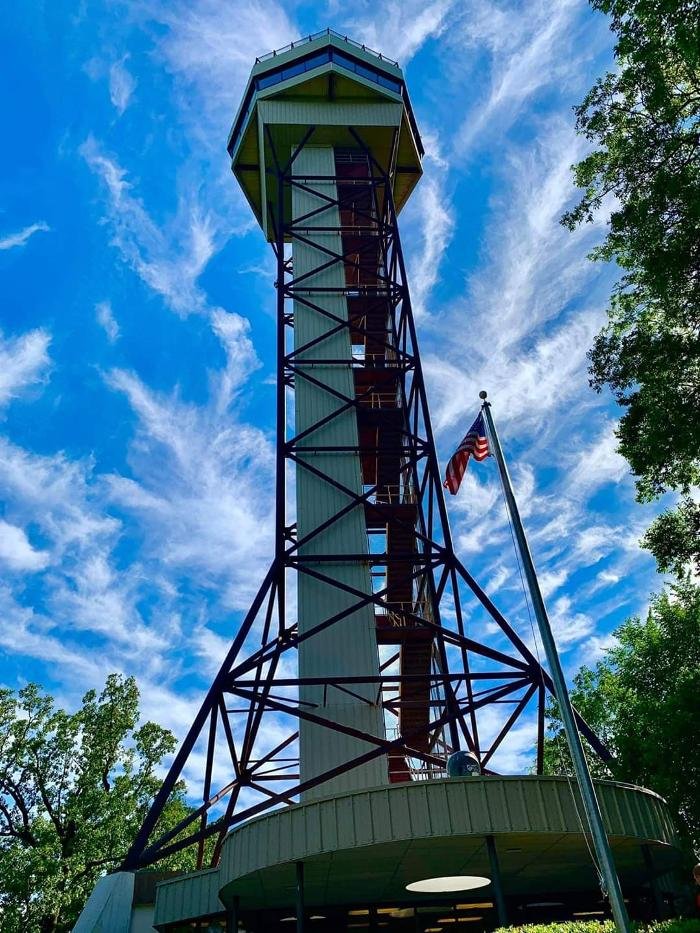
pixel 360 850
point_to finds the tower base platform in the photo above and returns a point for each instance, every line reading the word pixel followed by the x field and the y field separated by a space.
pixel 344 862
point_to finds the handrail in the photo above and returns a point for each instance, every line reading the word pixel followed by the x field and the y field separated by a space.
pixel 317 35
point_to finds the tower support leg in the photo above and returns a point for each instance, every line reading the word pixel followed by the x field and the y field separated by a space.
pixel 501 910
pixel 232 917
pixel 656 895
pixel 301 926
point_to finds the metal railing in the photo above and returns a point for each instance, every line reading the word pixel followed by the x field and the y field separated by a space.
pixel 317 35
pixel 395 612
pixel 391 494
pixel 416 768
pixel 379 400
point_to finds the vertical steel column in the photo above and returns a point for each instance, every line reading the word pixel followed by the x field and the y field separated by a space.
pixel 540 729
pixel 232 916
pixel 300 898
pixel 657 897
pixel 281 415
pixel 500 900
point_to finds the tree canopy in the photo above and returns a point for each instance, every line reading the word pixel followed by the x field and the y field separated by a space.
pixel 74 789
pixel 643 120
pixel 642 699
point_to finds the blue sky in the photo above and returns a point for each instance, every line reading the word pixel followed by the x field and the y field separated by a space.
pixel 137 350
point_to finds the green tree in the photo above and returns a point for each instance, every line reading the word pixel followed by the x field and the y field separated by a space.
pixel 74 788
pixel 643 698
pixel 643 120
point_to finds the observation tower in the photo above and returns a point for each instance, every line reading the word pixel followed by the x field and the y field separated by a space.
pixel 355 674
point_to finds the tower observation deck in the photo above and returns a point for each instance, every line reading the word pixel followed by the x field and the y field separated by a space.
pixel 354 675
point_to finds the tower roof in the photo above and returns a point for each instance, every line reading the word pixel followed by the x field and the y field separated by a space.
pixel 331 82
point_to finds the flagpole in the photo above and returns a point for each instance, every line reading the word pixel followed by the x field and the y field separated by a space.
pixel 583 776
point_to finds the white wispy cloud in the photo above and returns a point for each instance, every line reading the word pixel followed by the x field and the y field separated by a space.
pixel 27 633
pixel 201 478
pixel 122 85
pixel 568 625
pixel 552 580
pixel 84 591
pixel 595 647
pixel 107 321
pixel 525 346
pixel 241 360
pixel 169 261
pixel 597 462
pixel 209 47
pixel 199 493
pixel 530 47
pixel 413 24
pixel 431 223
pixel 56 494
pixel 14 240
pixel 100 599
pixel 24 362
pixel 17 552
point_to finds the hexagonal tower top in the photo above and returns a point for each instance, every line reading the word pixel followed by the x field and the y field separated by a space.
pixel 340 91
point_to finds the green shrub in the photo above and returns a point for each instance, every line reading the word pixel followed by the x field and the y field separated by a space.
pixel 605 926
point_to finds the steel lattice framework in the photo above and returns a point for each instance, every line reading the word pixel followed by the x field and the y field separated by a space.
pixel 445 676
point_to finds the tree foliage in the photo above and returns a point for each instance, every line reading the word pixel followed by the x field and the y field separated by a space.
pixel 643 120
pixel 673 538
pixel 74 788
pixel 642 698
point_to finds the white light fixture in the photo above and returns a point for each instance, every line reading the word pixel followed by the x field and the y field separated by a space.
pixel 448 883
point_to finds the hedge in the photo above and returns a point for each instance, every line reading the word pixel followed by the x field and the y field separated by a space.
pixel 605 926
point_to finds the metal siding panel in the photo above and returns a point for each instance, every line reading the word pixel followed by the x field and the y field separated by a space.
pixel 615 821
pixel 297 831
pixel 192 896
pixel 346 822
pixel 458 808
pixel 313 828
pixel 285 836
pixel 329 825
pixel 538 807
pixel 381 817
pixel 418 810
pixel 361 812
pixel 398 813
pixel 349 646
pixel 628 815
pixel 439 812
pixel 519 807
pixel 481 816
pixel 559 813
pixel 641 815
pixel 178 902
pixel 495 803
pixel 323 113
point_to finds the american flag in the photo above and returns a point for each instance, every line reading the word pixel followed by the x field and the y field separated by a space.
pixel 475 444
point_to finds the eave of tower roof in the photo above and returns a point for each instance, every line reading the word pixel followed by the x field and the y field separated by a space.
pixel 319 79
pixel 371 66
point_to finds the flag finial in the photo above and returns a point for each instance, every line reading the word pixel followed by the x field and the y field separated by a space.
pixel 483 394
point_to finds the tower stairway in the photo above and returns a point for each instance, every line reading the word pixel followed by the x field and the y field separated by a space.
pixel 382 429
